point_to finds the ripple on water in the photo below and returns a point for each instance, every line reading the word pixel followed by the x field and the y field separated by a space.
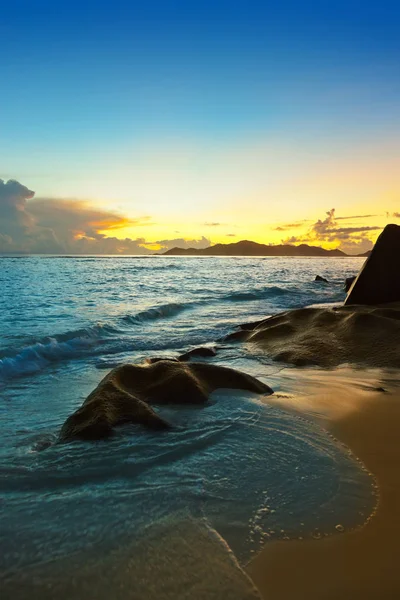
pixel 252 470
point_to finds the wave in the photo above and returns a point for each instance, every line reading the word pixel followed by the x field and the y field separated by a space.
pixel 260 294
pixel 285 297
pixel 157 312
pixel 40 354
pixel 99 338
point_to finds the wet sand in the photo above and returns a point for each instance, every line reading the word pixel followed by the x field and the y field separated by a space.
pixel 174 559
pixel 360 564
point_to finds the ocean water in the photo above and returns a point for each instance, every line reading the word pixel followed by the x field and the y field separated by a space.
pixel 245 468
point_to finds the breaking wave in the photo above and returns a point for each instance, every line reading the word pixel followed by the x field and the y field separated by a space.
pixel 97 339
pixel 157 312
pixel 38 355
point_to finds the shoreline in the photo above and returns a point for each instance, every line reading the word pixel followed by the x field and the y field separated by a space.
pixel 360 563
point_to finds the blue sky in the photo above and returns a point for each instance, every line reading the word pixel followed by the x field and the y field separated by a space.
pixel 107 91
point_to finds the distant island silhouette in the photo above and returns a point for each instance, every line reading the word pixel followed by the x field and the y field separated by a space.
pixel 248 248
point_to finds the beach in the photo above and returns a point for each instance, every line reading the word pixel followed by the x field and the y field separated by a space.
pixel 200 300
pixel 241 490
pixel 360 563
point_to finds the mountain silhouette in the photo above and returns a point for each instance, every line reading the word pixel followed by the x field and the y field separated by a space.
pixel 248 248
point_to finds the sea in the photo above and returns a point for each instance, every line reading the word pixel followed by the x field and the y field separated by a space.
pixel 243 468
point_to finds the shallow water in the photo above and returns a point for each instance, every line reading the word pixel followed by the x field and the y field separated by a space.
pixel 252 470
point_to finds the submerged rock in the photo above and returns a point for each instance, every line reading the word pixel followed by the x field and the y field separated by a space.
pixel 321 279
pixel 379 280
pixel 203 352
pixel 125 395
pixel 154 359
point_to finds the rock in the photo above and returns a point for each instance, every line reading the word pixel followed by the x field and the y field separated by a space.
pixel 361 335
pixel 379 280
pixel 252 325
pixel 202 351
pixel 154 359
pixel 321 279
pixel 125 395
pixel 236 336
pixel 349 282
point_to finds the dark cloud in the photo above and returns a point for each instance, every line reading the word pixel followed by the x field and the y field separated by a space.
pixel 19 231
pixel 212 224
pixel 48 226
pixel 396 215
pixel 231 235
pixel 14 218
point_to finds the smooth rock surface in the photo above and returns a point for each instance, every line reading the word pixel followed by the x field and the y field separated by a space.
pixel 125 395
pixel 328 337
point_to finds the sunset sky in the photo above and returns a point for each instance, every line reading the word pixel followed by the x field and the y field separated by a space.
pixel 138 126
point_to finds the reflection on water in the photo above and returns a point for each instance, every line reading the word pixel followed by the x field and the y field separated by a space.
pixel 252 470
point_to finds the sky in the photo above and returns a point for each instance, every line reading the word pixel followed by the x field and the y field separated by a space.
pixel 133 127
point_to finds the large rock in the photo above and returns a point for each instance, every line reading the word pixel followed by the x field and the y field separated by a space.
pixel 124 395
pixel 379 280
pixel 361 335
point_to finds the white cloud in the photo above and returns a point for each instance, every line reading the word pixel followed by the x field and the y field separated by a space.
pixel 50 226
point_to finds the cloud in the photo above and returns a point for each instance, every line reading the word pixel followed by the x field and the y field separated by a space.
pixel 231 235
pixel 19 231
pixel 355 217
pixel 292 240
pixel 79 227
pixel 212 224
pixel 164 245
pixel 396 215
pixel 14 219
pixel 289 226
pixel 49 226
pixel 347 231
pixel 352 240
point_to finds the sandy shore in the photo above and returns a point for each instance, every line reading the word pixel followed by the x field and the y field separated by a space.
pixel 173 559
pixel 363 563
